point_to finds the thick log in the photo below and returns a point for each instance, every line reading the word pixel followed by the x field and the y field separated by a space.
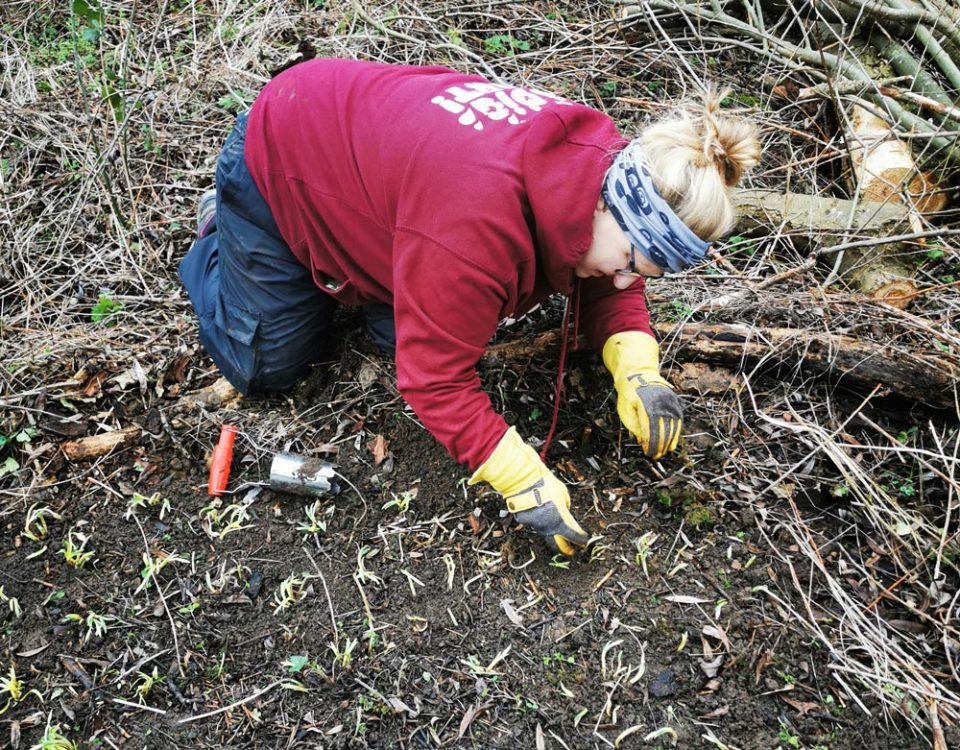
pixel 813 218
pixel 881 271
pixel 861 365
pixel 884 168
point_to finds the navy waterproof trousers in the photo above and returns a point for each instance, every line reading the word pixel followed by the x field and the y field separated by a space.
pixel 262 318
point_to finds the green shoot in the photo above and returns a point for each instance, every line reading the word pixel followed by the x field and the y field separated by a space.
pixel 218 522
pixel 363 575
pixel 142 501
pixel 152 565
pixel 314 525
pixel 189 609
pixel 504 44
pixel 96 624
pixel 35 525
pixel 53 740
pixel 598 550
pixel 74 549
pixel 105 311
pixel 644 545
pixel 14 688
pixel 401 502
pixel 343 656
pixel 786 736
pixel 292 590
pixel 227 578
pixel 296 663
pixel 145 683
pixel 370 635
pixel 12 603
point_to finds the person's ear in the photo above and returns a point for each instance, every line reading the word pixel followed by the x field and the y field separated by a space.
pixel 601 205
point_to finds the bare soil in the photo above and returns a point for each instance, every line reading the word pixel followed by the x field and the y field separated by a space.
pixel 467 632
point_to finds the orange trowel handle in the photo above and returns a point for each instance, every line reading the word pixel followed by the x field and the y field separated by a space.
pixel 222 458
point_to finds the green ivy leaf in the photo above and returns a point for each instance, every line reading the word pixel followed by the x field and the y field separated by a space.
pixel 104 310
pixel 296 663
pixel 504 44
pixel 25 436
pixel 9 466
pixel 88 11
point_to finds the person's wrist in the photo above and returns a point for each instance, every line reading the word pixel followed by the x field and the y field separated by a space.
pixel 512 467
pixel 630 352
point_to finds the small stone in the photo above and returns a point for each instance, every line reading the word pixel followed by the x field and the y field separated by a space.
pixel 663 685
pixel 255 584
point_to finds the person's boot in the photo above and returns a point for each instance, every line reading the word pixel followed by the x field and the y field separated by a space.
pixel 206 213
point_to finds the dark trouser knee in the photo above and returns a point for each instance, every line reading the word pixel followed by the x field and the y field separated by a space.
pixel 381 327
pixel 261 317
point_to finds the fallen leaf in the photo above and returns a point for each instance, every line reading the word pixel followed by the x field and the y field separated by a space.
pixel 711 668
pixel 785 490
pixel 780 92
pixel 765 659
pixel 511 612
pixel 378 447
pixel 367 376
pixel 706 380
pixel 474 522
pixel 718 633
pixel 468 718
pixel 717 713
pixel 804 707
pixel 33 651
pixel 569 468
pixel 399 707
pixel 93 384
pixel 134 374
pixel 177 369
pixel 712 686
pixel 684 599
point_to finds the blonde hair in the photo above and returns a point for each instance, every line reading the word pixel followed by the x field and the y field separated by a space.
pixel 695 156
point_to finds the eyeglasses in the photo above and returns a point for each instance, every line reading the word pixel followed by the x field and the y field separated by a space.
pixel 631 270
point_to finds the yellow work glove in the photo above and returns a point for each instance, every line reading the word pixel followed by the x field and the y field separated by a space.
pixel 532 493
pixel 647 405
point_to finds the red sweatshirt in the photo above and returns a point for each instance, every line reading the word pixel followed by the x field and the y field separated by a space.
pixel 458 201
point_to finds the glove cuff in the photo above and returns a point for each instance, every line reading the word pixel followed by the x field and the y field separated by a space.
pixel 629 352
pixel 512 467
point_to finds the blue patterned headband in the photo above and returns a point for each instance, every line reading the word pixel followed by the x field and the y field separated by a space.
pixel 646 218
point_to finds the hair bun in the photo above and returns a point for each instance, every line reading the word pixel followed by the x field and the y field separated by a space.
pixel 731 142
pixel 695 155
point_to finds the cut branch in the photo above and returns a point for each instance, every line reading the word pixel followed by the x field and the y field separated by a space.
pixel 940 145
pixel 95 446
pixel 861 365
